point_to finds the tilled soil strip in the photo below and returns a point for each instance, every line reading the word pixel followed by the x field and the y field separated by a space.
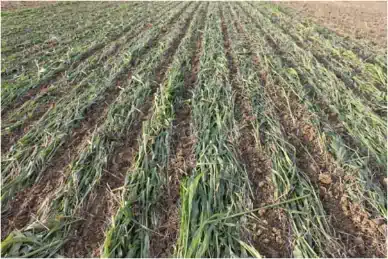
pixel 271 238
pixel 9 139
pixel 182 159
pixel 101 205
pixel 21 212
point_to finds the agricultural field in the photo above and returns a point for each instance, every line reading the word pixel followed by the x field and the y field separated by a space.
pixel 189 129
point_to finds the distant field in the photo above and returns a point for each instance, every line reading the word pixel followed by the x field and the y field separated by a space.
pixel 359 19
pixel 189 129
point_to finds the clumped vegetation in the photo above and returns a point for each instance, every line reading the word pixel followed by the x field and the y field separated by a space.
pixel 189 129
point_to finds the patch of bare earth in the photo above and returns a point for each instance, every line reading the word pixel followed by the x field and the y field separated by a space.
pixel 359 19
pixel 270 231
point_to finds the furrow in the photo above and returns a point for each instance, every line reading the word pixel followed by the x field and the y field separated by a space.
pixel 35 106
pixel 349 116
pixel 216 192
pixel 62 38
pixel 151 159
pixel 372 97
pixel 71 196
pixel 360 239
pixel 120 163
pixel 352 145
pixel 369 54
pixel 61 13
pixel 182 160
pixel 273 239
pixel 29 90
pixel 306 215
pixel 31 35
pixel 81 37
pixel 331 181
pixel 36 53
pixel 102 97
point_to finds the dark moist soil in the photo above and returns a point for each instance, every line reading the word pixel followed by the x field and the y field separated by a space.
pixel 271 236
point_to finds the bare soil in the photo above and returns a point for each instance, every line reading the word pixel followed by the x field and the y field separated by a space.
pixel 362 20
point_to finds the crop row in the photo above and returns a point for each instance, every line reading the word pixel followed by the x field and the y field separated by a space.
pixel 193 130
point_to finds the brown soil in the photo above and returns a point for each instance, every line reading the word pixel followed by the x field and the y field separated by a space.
pixel 28 202
pixel 43 88
pixel 94 116
pixel 326 62
pixel 364 240
pixel 102 203
pixel 182 159
pixel 86 238
pixel 365 20
pixel 270 237
pixel 333 117
pixel 328 178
